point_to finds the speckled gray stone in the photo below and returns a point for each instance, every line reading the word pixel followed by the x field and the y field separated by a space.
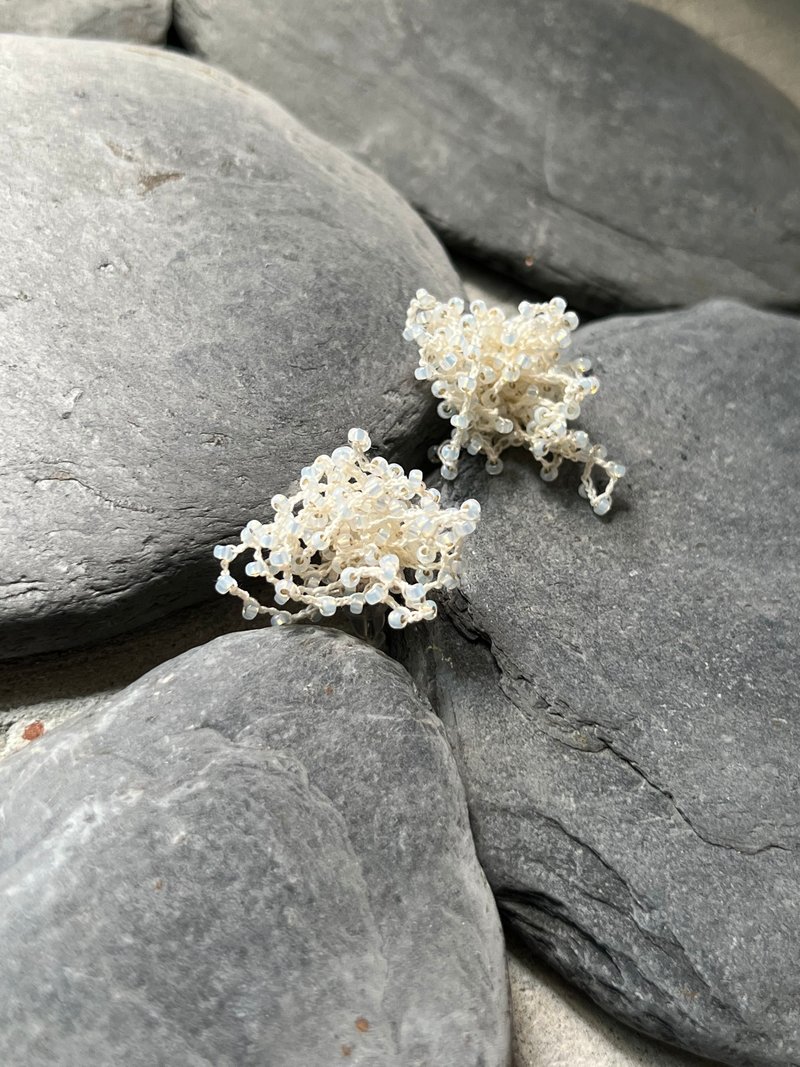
pixel 198 297
pixel 624 707
pixel 258 854
pixel 590 147
pixel 145 21
pixel 44 691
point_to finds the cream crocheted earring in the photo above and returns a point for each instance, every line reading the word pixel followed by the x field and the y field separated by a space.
pixel 359 531
pixel 503 382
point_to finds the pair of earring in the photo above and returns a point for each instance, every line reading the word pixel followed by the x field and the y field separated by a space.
pixel 361 531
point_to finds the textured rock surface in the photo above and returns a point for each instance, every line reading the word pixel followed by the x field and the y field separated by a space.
pixel 592 147
pixel 555 1026
pixel 53 688
pixel 198 297
pixel 260 853
pixel 625 719
pixel 125 20
pixel 762 33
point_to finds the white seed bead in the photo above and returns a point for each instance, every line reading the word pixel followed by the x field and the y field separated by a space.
pixel 397 619
pixel 389 564
pixel 349 577
pixel 557 427
pixel 360 439
pixel 327 606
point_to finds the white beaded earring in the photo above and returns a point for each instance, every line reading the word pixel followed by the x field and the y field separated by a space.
pixel 502 382
pixel 359 531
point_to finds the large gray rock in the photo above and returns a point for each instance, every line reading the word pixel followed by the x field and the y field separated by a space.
pixel 199 298
pixel 146 21
pixel 258 854
pixel 591 147
pixel 624 712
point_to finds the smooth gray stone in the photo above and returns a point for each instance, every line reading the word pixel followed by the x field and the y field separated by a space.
pixel 40 692
pixel 199 297
pixel 145 21
pixel 624 709
pixel 592 148
pixel 259 854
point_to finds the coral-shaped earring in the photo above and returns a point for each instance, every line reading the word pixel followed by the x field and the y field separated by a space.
pixel 503 382
pixel 359 531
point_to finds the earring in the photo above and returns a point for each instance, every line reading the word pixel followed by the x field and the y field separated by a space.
pixel 503 382
pixel 351 536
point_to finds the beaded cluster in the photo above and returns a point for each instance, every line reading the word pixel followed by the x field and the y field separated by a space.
pixel 359 531
pixel 503 382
